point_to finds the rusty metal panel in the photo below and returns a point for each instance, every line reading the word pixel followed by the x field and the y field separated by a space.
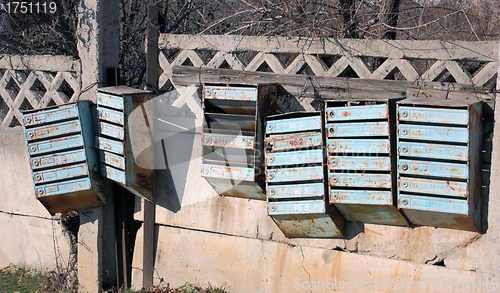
pixel 439 165
pixel 362 129
pixel 296 191
pixel 296 176
pixel 437 133
pixel 236 173
pixel 110 115
pixel 366 197
pixel 112 160
pixel 113 174
pixel 296 207
pixel 351 113
pixel 434 169
pixel 62 173
pixel 360 180
pixel 49 115
pixel 111 101
pixel 295 157
pixel 432 115
pixel 361 159
pixel 230 93
pixel 233 138
pixel 357 146
pixel 430 186
pixel 54 160
pixel 279 143
pixel 63 187
pixel 125 136
pixel 53 130
pixel 434 151
pixel 228 141
pixel 63 157
pixel 359 163
pixel 109 145
pixel 293 125
pixel 53 145
pixel 111 130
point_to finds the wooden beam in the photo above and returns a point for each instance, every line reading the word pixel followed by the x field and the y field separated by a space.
pixel 312 86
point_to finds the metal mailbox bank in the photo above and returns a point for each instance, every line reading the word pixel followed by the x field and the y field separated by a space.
pixel 362 160
pixel 233 137
pixel 439 162
pixel 296 176
pixel 63 159
pixel 125 139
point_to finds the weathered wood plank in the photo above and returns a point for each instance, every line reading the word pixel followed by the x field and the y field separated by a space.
pixel 315 86
pixel 394 49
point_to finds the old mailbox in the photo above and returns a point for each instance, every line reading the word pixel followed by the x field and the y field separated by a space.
pixel 362 159
pixel 439 162
pixel 64 161
pixel 125 139
pixel 296 176
pixel 233 136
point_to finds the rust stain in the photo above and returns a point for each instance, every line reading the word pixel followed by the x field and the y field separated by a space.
pixel 373 232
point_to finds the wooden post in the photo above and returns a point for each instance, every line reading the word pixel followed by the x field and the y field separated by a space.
pixel 149 208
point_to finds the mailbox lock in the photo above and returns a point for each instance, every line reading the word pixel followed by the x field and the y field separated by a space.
pixel 271 159
pixel 405 131
pixel 269 127
pixel 333 146
pixel 33 148
pixel 332 114
pixel 207 139
pixel 404 202
pixel 273 208
pixel 271 175
pixel 30 134
pixel 38 177
pixel 208 92
pixel 28 119
pixel 335 180
pixel 207 171
pixel 272 192
pixel 332 130
pixel 335 197
pixel 404 149
pixel 404 114
pixel 404 167
pixel 405 184
pixel 334 163
pixel 40 191
pixel 35 163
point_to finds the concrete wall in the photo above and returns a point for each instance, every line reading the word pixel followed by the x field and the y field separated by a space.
pixel 202 237
pixel 30 236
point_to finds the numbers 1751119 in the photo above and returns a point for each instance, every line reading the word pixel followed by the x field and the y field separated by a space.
pixel 29 7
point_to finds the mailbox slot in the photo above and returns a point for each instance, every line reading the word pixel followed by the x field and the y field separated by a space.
pixel 296 180
pixel 362 160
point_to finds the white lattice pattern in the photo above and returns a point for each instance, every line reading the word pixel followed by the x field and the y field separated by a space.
pixel 33 82
pixel 442 59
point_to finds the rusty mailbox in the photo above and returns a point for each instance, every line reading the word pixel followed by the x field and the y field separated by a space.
pixel 125 139
pixel 233 137
pixel 64 161
pixel 439 162
pixel 362 159
pixel 296 176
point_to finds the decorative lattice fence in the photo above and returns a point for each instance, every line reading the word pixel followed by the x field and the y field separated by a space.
pixel 333 64
pixel 32 82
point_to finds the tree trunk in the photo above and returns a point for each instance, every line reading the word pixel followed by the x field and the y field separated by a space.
pixel 389 10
